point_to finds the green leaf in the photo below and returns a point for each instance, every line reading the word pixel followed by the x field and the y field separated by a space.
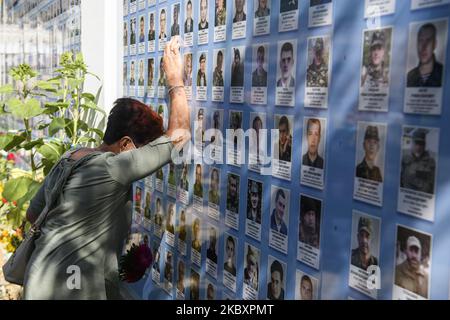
pixel 93 106
pixel 6 89
pixel 88 96
pixel 33 188
pixel 86 140
pixel 5 140
pixel 14 189
pixel 8 144
pixel 52 151
pixel 48 165
pixel 47 85
pixel 97 131
pixel 31 108
pixel 74 83
pixel 97 96
pixel 33 144
pixel 56 125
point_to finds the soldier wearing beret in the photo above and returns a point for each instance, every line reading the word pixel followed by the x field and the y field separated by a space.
pixel 361 256
pixel 367 168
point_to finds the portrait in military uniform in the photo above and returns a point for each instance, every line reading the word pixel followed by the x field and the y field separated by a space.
pixel 150 71
pixel 125 33
pixel 175 29
pixel 141 29
pixel 260 58
pixel 196 241
pixel 414 272
pixel 141 78
pixel 251 269
pixel 288 5
pixel 184 179
pixel 233 193
pixel 230 254
pixel 418 164
pixel 237 67
pixel 376 58
pixel 279 210
pixel 162 74
pixel 318 62
pixel 218 75
pixel 132 73
pixel 426 52
pixel 214 187
pixel 220 17
pixel 365 240
pixel 187 70
pixel 199 127
pixel 201 74
pixel 254 201
pixel 133 31
pixel 168 268
pixel 370 151
pixel 181 276
pixel 262 8
pixel 137 199
pixel 310 217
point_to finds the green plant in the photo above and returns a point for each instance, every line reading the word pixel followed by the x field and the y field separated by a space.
pixel 56 115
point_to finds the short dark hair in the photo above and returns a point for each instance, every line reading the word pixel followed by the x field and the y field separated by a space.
pixel 280 193
pixel 130 117
pixel 306 278
pixel 430 26
pixel 261 50
pixel 287 47
pixel 276 266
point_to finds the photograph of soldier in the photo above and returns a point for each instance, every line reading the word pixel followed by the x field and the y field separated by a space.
pixel 287 66
pixel 138 199
pixel 133 31
pixel 429 71
pixel 189 23
pixel 211 253
pixel 158 213
pixel 157 254
pixel 251 270
pixel 184 181
pixel 230 255
pixel 214 192
pixel 313 137
pixel 125 33
pixel 257 125
pixel 132 73
pixel 239 9
pixel 367 169
pixel 168 268
pixel 284 143
pixel 147 206
pixel 175 29
pixel 171 179
pixel 210 292
pixel 218 73
pixel 187 70
pixel 182 226
pixel 220 17
pixel 198 185
pixel 162 24
pixel 194 293
pixel 203 24
pixel 259 75
pixel 141 29
pixel 233 193
pixel 376 59
pixel 201 74
pixel 281 206
pixel 181 275
pixel 151 71
pixel 362 256
pixel 254 201
pixel 309 228
pixel 275 288
pixel 413 273
pixel 288 5
pixel 317 73
pixel 235 124
pixel 151 29
pixel 262 8
pixel 162 74
pixel 141 79
pixel 237 69
pixel 196 240
pixel 200 132
pixel 418 167
pixel 170 216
